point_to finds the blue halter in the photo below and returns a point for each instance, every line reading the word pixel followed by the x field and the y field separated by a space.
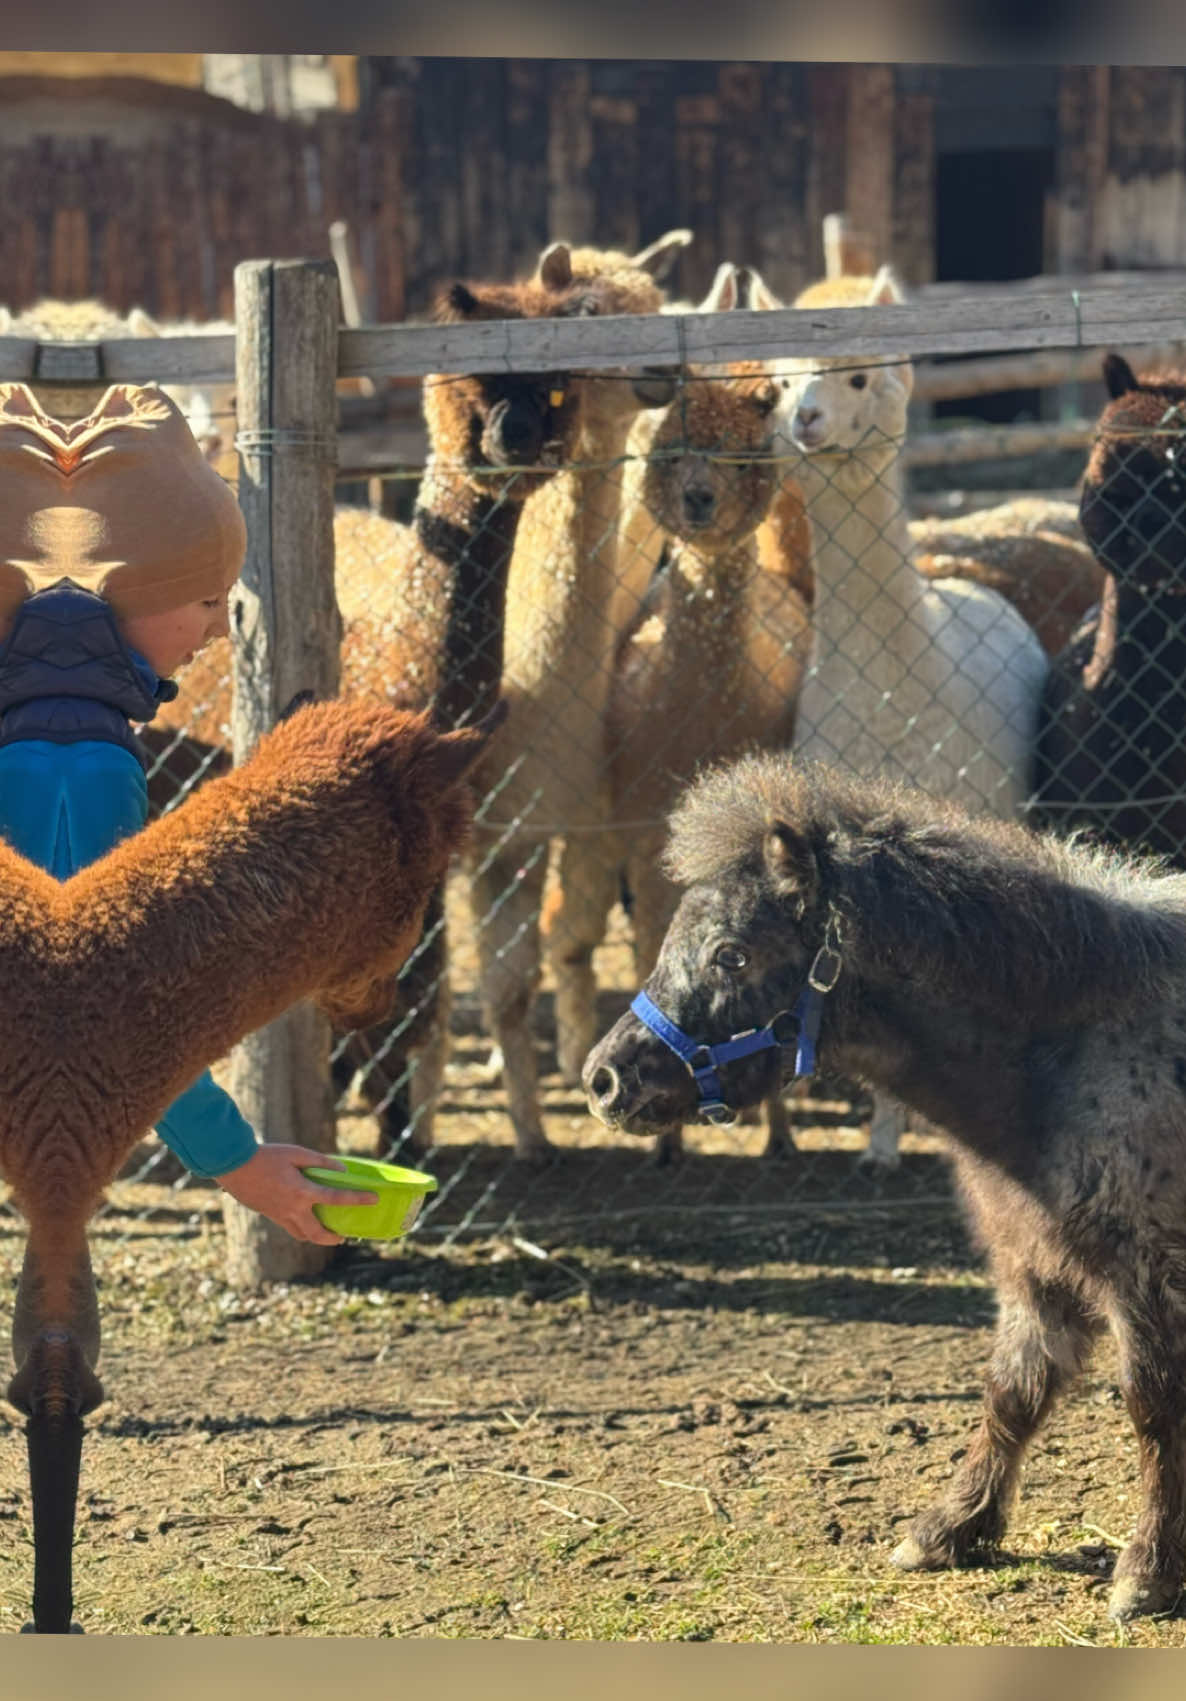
pixel 704 1060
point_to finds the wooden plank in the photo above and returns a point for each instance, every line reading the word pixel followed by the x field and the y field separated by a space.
pixel 827 178
pixel 287 633
pixel 967 323
pixel 527 161
pixel 869 178
pixel 963 378
pixel 1081 166
pixel 784 243
pixel 617 173
pixel 697 119
pixel 912 249
pixel 571 209
pixel 1139 210
pixel 741 175
pixel 991 443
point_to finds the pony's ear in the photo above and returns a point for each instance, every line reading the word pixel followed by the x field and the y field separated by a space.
pixel 885 290
pixel 555 266
pixel 790 864
pixel 1119 376
pixel 725 292
pixel 662 254
pixel 759 296
pixel 141 325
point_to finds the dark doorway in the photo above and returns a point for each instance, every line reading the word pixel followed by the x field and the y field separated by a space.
pixel 990 216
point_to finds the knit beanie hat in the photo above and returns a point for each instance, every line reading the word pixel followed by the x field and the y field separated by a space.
pixel 122 502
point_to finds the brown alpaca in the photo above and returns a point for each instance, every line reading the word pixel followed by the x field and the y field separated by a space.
pixel 559 658
pixel 304 873
pixel 422 608
pixel 711 667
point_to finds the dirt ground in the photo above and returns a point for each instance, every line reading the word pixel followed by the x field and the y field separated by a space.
pixel 697 1419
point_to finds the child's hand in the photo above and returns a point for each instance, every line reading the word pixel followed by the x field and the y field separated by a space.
pixel 272 1183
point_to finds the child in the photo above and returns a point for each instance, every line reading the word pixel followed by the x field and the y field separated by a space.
pixel 118 547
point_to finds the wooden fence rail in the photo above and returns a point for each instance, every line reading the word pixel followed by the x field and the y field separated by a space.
pixel 1101 318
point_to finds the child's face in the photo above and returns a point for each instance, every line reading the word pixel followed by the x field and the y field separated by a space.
pixel 169 641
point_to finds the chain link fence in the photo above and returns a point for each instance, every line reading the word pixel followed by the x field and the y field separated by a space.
pixel 736 564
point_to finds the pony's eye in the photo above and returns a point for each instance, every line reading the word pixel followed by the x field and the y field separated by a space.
pixel 730 957
pixel 858 380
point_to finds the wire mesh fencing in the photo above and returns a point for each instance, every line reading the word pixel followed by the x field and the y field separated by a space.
pixel 670 591
pixel 657 578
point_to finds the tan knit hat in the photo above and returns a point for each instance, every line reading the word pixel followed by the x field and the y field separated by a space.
pixel 123 502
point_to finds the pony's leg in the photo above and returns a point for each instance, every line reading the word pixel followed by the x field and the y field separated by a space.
pixel 506 898
pixel 1151 1334
pixel 890 1121
pixel 1043 1336
pixel 779 1144
pixel 55 1345
pixel 573 929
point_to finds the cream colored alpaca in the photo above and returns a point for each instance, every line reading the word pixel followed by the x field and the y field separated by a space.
pixel 932 682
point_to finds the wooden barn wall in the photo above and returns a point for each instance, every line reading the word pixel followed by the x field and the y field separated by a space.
pixel 455 167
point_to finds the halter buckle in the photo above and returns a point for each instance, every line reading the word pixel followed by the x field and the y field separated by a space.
pixel 718 1113
pixel 828 953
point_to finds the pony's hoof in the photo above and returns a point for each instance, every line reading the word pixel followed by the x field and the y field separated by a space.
pixel 1138 1597
pixel 537 1155
pixel 910 1555
pixel 875 1164
pixel 31 1630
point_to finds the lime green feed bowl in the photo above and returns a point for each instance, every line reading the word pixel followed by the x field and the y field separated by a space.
pixel 401 1193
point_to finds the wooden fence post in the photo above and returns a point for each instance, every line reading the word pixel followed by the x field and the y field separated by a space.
pixel 287 635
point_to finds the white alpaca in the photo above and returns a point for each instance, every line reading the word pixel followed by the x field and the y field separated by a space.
pixel 935 682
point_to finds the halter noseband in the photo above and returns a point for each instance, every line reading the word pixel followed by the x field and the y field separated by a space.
pixel 704 1060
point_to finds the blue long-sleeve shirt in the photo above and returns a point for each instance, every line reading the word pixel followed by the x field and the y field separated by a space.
pixel 63 806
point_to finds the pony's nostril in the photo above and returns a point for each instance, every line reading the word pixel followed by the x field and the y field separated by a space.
pixel 604 1084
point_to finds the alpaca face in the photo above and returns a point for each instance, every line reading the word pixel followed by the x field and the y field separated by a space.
pixel 701 485
pixel 1133 506
pixel 835 402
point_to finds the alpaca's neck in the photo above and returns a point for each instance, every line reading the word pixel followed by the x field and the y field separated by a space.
pixel 706 609
pixel 471 535
pixel 565 574
pixel 865 582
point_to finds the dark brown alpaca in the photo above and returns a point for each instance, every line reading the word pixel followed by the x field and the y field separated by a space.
pixel 303 874
pixel 423 615
pixel 1023 994
pixel 1110 754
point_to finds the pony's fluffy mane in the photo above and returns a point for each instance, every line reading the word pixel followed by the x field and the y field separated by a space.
pixel 1051 919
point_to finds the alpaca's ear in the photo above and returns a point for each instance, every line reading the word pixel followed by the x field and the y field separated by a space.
pixel 1119 376
pixel 555 266
pixel 655 386
pixel 790 864
pixel 766 396
pixel 141 325
pixel 662 254
pixel 457 752
pixel 725 293
pixel 886 290
pixel 759 296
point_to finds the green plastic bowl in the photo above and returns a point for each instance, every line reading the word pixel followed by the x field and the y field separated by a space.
pixel 401 1194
